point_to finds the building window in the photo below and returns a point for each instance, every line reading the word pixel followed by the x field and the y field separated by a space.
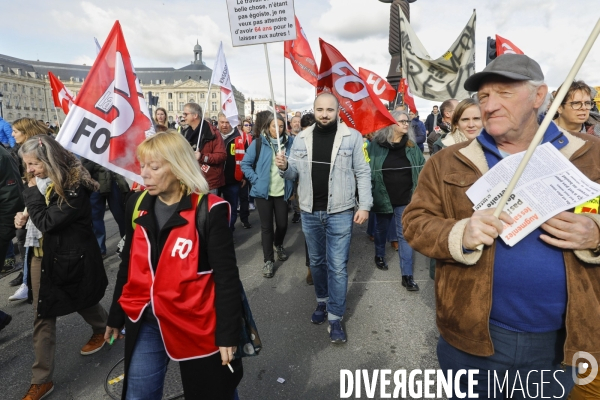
pixel 40 104
pixel 14 87
pixel 23 91
pixel 201 95
pixel 170 118
pixel 214 95
pixel 39 92
pixel 170 96
pixel 181 106
pixel 181 95
pixel 30 90
pixel 54 116
pixel 170 104
pixel 214 106
pixel 6 87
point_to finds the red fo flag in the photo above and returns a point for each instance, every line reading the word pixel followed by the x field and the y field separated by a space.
pixel 505 46
pixel 301 56
pixel 360 107
pixel 380 86
pixel 109 118
pixel 409 100
pixel 62 96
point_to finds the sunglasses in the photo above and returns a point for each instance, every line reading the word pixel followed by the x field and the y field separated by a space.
pixel 247 124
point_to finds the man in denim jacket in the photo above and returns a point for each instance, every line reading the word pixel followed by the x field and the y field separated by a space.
pixel 328 161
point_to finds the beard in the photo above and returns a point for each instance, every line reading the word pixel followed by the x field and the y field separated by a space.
pixel 326 124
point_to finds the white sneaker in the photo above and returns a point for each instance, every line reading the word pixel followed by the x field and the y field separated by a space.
pixel 251 207
pixel 21 293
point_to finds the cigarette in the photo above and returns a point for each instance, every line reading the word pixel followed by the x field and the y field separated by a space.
pixel 230 368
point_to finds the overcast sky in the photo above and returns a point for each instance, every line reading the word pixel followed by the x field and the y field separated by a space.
pixel 163 33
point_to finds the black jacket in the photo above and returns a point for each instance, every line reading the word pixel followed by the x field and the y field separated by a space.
pixel 429 125
pixel 105 177
pixel 73 276
pixel 11 201
pixel 217 254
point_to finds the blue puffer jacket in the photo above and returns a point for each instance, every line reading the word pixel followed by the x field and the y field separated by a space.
pixel 261 177
pixel 6 134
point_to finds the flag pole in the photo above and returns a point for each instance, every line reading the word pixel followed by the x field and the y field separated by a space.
pixel 57 119
pixel 285 93
pixel 539 135
pixel 202 116
pixel 272 98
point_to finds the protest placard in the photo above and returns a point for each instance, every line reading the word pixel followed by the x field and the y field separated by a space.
pixel 550 184
pixel 261 21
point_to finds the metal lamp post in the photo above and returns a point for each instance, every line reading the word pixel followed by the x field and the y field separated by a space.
pixel 1 111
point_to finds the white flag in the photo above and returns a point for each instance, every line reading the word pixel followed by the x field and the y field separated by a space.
pixel 443 78
pixel 220 77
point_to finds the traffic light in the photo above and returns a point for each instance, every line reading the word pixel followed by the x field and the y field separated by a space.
pixel 490 52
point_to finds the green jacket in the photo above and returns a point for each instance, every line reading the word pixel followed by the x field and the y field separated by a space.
pixel 377 153
pixel 104 177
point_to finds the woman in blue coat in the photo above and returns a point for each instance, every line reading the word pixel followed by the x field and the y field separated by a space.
pixel 270 191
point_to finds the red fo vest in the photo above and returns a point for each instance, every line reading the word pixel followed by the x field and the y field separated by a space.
pixel 240 152
pixel 183 299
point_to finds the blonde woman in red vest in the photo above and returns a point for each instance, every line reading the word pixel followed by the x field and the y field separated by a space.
pixel 178 297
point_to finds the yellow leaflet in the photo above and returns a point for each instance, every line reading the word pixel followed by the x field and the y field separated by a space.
pixel 447 56
pixel 117 379
pixel 590 206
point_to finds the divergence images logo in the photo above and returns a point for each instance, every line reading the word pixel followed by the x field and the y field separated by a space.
pixel 589 363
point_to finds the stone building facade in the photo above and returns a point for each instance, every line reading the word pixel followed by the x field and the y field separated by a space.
pixel 26 92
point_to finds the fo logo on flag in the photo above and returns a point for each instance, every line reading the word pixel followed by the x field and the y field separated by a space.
pixel 109 117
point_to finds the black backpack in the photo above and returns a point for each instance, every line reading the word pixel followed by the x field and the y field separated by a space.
pixel 258 142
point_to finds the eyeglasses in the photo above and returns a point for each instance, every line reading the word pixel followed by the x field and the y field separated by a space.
pixel 576 105
pixel 247 124
pixel 186 114
pixel 403 122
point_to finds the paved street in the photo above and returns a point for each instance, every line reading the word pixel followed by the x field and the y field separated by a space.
pixel 387 327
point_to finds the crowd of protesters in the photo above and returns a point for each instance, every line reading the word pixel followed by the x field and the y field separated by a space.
pixel 490 303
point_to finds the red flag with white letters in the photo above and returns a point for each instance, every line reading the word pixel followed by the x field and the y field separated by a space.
pixel 110 117
pixel 360 108
pixel 62 96
pixel 380 86
pixel 409 100
pixel 505 46
pixel 299 53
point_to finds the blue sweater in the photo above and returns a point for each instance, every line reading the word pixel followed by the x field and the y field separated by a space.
pixel 6 134
pixel 529 291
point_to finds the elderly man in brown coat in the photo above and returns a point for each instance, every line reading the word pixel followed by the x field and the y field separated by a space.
pixel 520 315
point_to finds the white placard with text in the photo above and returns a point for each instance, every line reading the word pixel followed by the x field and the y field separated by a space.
pixel 261 21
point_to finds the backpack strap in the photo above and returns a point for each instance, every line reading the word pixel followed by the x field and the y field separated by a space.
pixel 258 145
pixel 136 209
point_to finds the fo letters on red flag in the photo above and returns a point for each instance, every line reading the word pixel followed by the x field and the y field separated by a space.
pixel 109 118
pixel 380 86
pixel 360 108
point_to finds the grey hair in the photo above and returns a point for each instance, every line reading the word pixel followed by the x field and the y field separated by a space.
pixel 195 109
pixel 534 86
pixel 387 134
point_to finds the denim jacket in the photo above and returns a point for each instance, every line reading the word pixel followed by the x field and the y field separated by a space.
pixel 348 171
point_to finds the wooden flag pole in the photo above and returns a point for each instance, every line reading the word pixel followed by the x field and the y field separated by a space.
pixel 285 94
pixel 272 99
pixel 202 116
pixel 539 135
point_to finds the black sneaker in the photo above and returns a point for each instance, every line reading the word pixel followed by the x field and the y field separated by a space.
pixel 5 321
pixel 246 225
pixel 9 265
pixel 296 218
pixel 17 281
pixel 268 269
pixel 409 283
pixel 281 254
pixel 320 314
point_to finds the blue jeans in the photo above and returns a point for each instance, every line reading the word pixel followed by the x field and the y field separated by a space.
pixel 201 378
pixel 117 208
pixel 148 367
pixel 231 194
pixel 540 353
pixel 405 252
pixel 10 253
pixel 328 240
pixel 372 226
